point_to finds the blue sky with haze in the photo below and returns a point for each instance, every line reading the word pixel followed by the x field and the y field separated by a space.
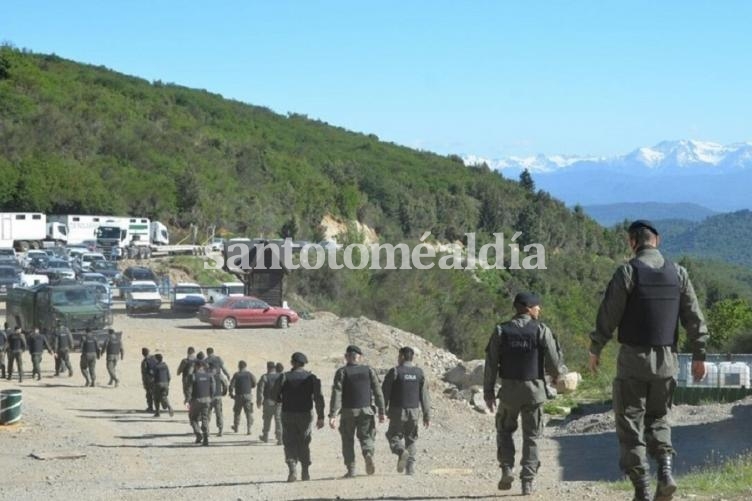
pixel 489 78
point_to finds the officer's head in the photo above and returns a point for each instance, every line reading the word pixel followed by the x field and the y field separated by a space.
pixel 406 354
pixel 242 365
pixel 210 351
pixel 353 354
pixel 158 356
pixel 17 329
pixel 298 359
pixel 36 329
pixel 269 366
pixel 200 355
pixel 527 303
pixel 279 367
pixel 642 233
pixel 145 352
pixel 191 350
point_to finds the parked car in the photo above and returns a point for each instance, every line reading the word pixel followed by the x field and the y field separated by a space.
pixel 9 278
pixel 58 269
pixel 107 268
pixel 233 311
pixel 89 276
pixel 33 254
pixel 8 253
pixel 85 260
pixel 187 297
pixel 132 274
pixel 37 263
pixel 233 289
pixel 102 291
pixel 142 296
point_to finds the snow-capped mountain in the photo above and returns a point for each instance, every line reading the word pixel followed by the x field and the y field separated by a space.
pixel 714 175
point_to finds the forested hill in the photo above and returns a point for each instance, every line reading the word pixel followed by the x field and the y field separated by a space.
pixel 76 138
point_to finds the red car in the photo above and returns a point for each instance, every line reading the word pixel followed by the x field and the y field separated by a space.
pixel 236 311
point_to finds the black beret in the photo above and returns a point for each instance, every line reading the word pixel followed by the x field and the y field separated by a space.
pixel 527 299
pixel 270 365
pixel 643 223
pixel 299 358
pixel 354 349
pixel 200 355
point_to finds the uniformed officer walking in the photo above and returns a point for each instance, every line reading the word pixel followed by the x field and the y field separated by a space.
pixel 161 385
pixel 113 350
pixel 271 408
pixel 90 352
pixel 356 387
pixel 220 390
pixel 215 362
pixel 37 343
pixel 405 395
pixel 298 391
pixel 200 397
pixel 185 369
pixel 16 347
pixel 3 346
pixel 63 345
pixel 645 300
pixel 147 377
pixel 519 350
pixel 241 390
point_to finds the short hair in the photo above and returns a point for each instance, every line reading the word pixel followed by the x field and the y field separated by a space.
pixel 642 236
pixel 242 364
pixel 191 350
pixel 158 356
pixel 209 350
pixel 144 351
pixel 270 365
pixel 407 353
pixel 279 367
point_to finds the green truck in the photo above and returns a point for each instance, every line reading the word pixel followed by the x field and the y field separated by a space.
pixel 77 307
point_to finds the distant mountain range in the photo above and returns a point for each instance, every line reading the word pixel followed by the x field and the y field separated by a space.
pixel 611 214
pixel 708 174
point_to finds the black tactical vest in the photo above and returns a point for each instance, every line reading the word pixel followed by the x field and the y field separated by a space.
pixel 356 387
pixel 651 315
pixel 271 380
pixel 89 346
pixel 113 347
pixel 406 387
pixel 519 353
pixel 201 385
pixel 36 344
pixel 297 392
pixel 15 342
pixel 63 341
pixel 243 383
pixel 161 373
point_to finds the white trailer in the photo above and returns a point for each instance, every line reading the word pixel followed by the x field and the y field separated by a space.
pixel 22 230
pixel 74 229
pixel 115 236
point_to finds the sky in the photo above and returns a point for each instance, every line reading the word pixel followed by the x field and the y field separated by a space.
pixel 488 78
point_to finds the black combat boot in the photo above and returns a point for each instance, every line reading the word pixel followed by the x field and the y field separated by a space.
pixel 350 471
pixel 527 486
pixel 666 484
pixel 641 483
pixel 219 432
pixel 507 477
pixel 304 475
pixel 206 437
pixel 292 475
pixel 264 438
pixel 410 468
pixel 370 466
pixel 402 461
pixel 234 428
pixel 198 438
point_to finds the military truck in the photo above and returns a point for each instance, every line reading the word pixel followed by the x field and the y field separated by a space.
pixel 77 307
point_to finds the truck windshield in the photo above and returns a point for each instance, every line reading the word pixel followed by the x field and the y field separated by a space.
pixel 188 290
pixel 73 297
pixel 108 232
pixel 144 288
pixel 234 289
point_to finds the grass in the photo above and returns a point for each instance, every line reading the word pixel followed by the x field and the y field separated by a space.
pixel 731 479
pixel 592 390
pixel 194 266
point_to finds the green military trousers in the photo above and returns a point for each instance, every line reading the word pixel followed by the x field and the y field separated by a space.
pixel 532 429
pixel 296 437
pixel 243 403
pixel 272 410
pixel 364 427
pixel 403 433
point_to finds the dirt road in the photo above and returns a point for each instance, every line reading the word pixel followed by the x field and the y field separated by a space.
pixel 131 455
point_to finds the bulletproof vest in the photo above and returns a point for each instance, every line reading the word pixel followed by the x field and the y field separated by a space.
pixel 201 385
pixel 89 346
pixel 113 346
pixel 243 383
pixel 63 341
pixel 651 315
pixel 36 344
pixel 147 365
pixel 356 387
pixel 297 393
pixel 15 342
pixel 406 387
pixel 271 380
pixel 519 353
pixel 161 373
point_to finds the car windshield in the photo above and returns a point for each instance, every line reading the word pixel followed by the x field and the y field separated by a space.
pixel 73 297
pixel 144 288
pixel 92 257
pixel 7 272
pixel 57 264
pixel 7 252
pixel 187 289
pixel 95 278
pixel 140 274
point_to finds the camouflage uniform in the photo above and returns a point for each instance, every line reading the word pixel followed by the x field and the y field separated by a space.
pixel 645 375
pixel 519 397
pixel 37 343
pixel 161 385
pixel 90 352
pixel 271 408
pixel 113 349
pixel 220 390
pixel 200 396
pixel 63 346
pixel 241 381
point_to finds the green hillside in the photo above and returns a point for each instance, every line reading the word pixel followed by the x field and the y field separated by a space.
pixel 82 139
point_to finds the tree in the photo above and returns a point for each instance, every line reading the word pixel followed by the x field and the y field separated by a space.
pixel 526 181
pixel 290 228
pixel 726 319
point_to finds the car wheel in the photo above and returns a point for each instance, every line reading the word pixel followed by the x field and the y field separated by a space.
pixel 283 322
pixel 229 323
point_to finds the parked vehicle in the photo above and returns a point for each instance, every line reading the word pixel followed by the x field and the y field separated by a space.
pixel 107 268
pixel 142 296
pixel 8 252
pixel 9 278
pixel 31 254
pixel 231 312
pixel 58 269
pixel 22 230
pixel 186 297
pixel 102 291
pixel 89 276
pixel 85 260
pixel 32 279
pixel 74 228
pixel 233 289
pixel 125 232
pixel 134 273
